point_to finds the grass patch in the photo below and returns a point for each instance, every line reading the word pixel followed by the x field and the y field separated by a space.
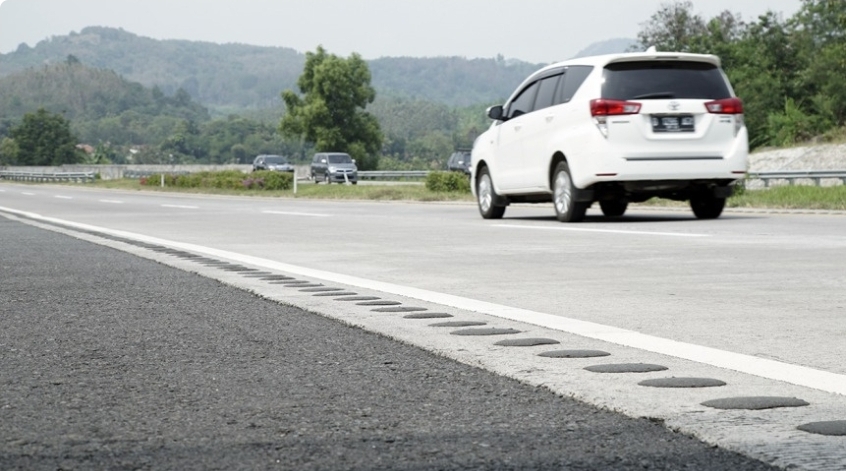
pixel 831 198
pixel 792 197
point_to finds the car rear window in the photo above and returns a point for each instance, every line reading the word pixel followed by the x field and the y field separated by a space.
pixel 275 159
pixel 664 80
pixel 340 159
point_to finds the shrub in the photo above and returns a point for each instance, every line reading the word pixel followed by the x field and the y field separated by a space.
pixel 227 180
pixel 794 125
pixel 453 182
pixel 275 180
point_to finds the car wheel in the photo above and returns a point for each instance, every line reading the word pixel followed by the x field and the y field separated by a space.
pixel 314 178
pixel 613 208
pixel 706 206
pixel 326 178
pixel 487 196
pixel 563 196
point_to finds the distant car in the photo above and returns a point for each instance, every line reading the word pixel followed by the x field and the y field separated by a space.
pixel 614 129
pixel 275 163
pixel 333 167
pixel 459 162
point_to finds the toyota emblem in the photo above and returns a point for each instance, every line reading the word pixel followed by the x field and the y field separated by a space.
pixel 674 106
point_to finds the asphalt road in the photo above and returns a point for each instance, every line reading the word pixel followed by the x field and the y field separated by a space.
pixel 111 361
pixel 752 303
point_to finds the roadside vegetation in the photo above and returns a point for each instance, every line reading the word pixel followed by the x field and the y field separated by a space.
pixel 792 197
pixel 439 186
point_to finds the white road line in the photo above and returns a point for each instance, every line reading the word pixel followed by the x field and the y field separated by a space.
pixel 291 213
pixel 64 197
pixel 608 231
pixel 179 206
pixel 27 194
pixel 111 201
pixel 765 368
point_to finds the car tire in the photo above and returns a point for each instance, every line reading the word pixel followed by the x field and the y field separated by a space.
pixel 486 196
pixel 326 178
pixel 706 206
pixel 566 208
pixel 613 208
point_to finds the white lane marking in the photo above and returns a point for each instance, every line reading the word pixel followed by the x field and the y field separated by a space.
pixel 111 201
pixel 179 206
pixel 291 213
pixel 608 231
pixel 64 197
pixel 27 194
pixel 765 368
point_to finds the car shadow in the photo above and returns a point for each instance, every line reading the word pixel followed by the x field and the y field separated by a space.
pixel 640 218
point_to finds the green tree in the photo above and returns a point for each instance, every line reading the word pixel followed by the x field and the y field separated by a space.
pixel 819 34
pixel 674 27
pixel 331 113
pixel 44 138
pixel 8 151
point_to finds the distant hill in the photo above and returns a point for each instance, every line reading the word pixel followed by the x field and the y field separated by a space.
pixel 238 77
pixel 611 46
pixel 80 92
pixel 101 105
pixel 229 75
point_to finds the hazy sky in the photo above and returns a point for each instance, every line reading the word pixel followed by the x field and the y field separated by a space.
pixel 532 30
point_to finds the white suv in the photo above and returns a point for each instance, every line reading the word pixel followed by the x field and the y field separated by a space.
pixel 614 129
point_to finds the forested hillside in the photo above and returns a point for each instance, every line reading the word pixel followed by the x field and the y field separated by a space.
pixel 114 114
pixel 236 77
pixel 201 102
pixel 101 105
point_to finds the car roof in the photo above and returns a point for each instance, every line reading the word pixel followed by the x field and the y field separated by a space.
pixel 604 60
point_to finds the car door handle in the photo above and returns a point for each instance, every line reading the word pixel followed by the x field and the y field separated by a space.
pixel 550 118
pixel 517 128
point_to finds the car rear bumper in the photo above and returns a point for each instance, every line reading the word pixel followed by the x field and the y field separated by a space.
pixel 343 177
pixel 689 164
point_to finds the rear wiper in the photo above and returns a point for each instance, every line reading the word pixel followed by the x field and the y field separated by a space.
pixel 647 96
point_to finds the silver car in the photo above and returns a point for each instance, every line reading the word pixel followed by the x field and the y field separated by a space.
pixel 334 167
pixel 275 163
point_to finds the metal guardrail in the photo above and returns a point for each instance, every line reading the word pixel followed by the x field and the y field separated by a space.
pixel 363 175
pixel 391 174
pixel 146 173
pixel 80 177
pixel 792 175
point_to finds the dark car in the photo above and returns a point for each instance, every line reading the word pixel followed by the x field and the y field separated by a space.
pixel 275 163
pixel 459 162
pixel 334 167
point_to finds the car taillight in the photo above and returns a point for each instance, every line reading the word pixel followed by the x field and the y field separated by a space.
pixel 725 106
pixel 602 107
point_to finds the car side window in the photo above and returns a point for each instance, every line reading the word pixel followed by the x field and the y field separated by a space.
pixel 522 104
pixel 573 79
pixel 546 92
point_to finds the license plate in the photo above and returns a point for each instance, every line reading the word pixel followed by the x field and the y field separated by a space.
pixel 675 123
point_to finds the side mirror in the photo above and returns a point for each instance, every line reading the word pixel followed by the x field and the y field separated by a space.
pixel 353 160
pixel 495 112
